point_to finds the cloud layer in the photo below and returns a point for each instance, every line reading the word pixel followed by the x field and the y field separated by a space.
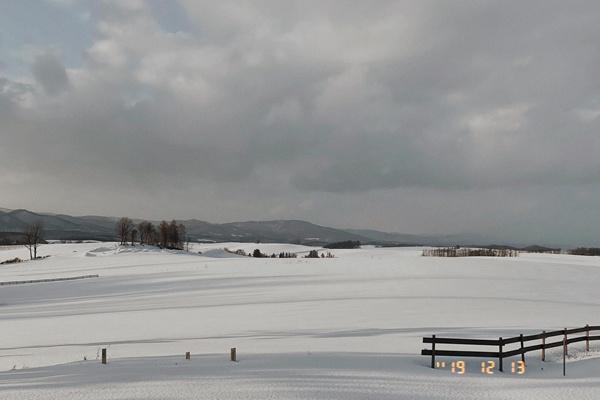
pixel 401 115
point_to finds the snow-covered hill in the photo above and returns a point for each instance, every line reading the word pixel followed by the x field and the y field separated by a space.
pixel 347 328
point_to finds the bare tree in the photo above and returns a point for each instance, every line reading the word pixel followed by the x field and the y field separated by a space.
pixel 170 235
pixel 174 238
pixel 154 237
pixel 133 234
pixel 151 234
pixel 33 236
pixel 163 234
pixel 140 228
pixel 184 240
pixel 147 232
pixel 124 228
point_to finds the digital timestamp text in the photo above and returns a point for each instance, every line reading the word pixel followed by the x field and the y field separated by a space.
pixel 486 367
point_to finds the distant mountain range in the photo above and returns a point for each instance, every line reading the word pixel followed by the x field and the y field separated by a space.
pixel 60 226
pixel 66 227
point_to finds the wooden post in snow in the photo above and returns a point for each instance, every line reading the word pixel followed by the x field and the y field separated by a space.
pixel 522 352
pixel 233 355
pixel 544 346
pixel 432 351
pixel 565 354
pixel 500 355
pixel 188 356
pixel 103 356
pixel 587 338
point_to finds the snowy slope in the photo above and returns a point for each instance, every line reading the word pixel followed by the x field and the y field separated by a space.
pixel 348 327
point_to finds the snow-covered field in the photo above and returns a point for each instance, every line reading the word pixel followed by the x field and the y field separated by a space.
pixel 342 328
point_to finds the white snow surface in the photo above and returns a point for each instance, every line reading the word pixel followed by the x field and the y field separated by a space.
pixel 350 327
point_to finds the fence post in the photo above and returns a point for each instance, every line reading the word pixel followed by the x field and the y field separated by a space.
pixel 233 355
pixel 543 345
pixel 433 351
pixel 522 352
pixel 565 354
pixel 500 355
pixel 566 349
pixel 103 356
pixel 188 356
pixel 587 338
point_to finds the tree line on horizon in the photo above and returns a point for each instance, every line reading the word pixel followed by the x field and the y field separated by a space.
pixel 585 251
pixel 468 252
pixel 311 254
pixel 167 235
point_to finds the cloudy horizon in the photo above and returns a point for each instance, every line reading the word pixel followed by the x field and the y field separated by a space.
pixel 404 116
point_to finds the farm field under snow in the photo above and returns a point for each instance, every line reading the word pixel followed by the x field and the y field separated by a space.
pixel 343 328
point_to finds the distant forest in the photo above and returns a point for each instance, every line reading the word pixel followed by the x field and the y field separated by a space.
pixel 468 252
pixel 346 244
pixel 585 251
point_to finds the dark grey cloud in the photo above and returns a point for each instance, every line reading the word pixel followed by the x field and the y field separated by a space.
pixel 50 73
pixel 422 113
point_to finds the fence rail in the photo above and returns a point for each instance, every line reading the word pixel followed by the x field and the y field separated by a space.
pixel 499 343
pixel 71 278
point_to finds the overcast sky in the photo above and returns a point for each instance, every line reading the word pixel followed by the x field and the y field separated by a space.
pixel 408 116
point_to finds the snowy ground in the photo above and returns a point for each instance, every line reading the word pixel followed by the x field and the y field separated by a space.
pixel 342 328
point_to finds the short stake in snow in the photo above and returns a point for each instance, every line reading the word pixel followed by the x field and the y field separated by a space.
pixel 522 352
pixel 233 355
pixel 433 351
pixel 500 355
pixel 587 338
pixel 565 354
pixel 544 346
pixel 103 356
pixel 188 356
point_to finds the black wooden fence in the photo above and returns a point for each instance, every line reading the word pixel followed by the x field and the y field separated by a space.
pixel 503 353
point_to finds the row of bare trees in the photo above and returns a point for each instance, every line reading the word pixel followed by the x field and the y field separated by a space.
pixel 469 252
pixel 168 235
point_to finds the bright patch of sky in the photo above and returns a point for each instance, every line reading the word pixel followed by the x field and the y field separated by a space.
pixel 29 27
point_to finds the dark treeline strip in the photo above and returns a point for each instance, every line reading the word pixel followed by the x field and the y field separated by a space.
pixel 469 252
pixel 259 254
pixel 585 251
pixel 347 244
